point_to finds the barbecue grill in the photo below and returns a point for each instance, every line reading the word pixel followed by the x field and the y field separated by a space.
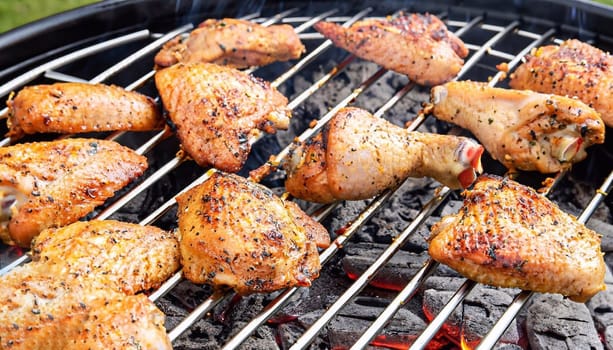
pixel 114 42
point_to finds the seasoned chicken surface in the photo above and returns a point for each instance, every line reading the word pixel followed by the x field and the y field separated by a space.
pixel 216 109
pixel 417 45
pixel 51 184
pixel 237 233
pixel 508 235
pixel 358 156
pixel 99 248
pixel 522 129
pixel 572 69
pixel 72 298
pixel 79 108
pixel 233 42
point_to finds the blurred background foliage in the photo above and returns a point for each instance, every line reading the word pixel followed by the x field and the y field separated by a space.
pixel 14 13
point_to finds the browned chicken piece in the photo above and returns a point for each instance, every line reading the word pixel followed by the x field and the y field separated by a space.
pixel 233 42
pixel 358 156
pixel 51 184
pixel 522 129
pixel 508 235
pixel 237 233
pixel 80 107
pixel 76 294
pixel 41 310
pixel 417 45
pixel 128 322
pixel 572 69
pixel 98 248
pixel 216 109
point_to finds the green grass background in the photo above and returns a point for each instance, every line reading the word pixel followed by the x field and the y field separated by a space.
pixel 14 13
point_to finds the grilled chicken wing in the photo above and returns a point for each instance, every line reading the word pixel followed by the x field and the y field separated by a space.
pixel 508 235
pixel 413 44
pixel 78 108
pixel 358 156
pixel 41 310
pixel 574 69
pixel 522 129
pixel 233 42
pixel 51 184
pixel 237 233
pixel 99 248
pixel 72 298
pixel 216 108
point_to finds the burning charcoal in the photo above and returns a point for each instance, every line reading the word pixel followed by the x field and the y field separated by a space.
pixel 556 323
pixel 400 210
pixel 601 308
pixel 507 347
pixel 475 317
pixel 608 337
pixel 347 209
pixel 264 338
pixel 451 207
pixel 395 274
pixel 357 316
pixel 572 195
pixel 443 283
pixel 307 319
pixel 608 258
pixel 288 333
pixel 606 230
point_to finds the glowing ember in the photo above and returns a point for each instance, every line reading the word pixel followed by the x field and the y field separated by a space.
pixel 466 344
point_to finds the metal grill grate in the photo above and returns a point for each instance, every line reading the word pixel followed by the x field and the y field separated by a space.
pixel 482 54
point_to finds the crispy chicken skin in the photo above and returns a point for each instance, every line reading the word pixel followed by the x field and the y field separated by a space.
pixel 358 156
pixel 508 235
pixel 572 69
pixel 127 322
pixel 97 247
pixel 232 42
pixel 72 298
pixel 215 109
pixel 80 107
pixel 51 184
pixel 237 233
pixel 522 129
pixel 417 45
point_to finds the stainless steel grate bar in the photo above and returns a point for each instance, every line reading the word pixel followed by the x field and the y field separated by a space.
pixel 197 314
pixel 118 66
pixel 175 162
pixel 275 305
pixel 427 335
pixel 73 56
pixel 367 83
pixel 153 216
pixel 318 51
pixel 139 54
pixel 366 276
pixel 356 92
pixel 281 300
pixel 150 180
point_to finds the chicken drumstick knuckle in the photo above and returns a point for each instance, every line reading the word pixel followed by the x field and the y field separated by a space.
pixel 358 156
pixel 522 129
